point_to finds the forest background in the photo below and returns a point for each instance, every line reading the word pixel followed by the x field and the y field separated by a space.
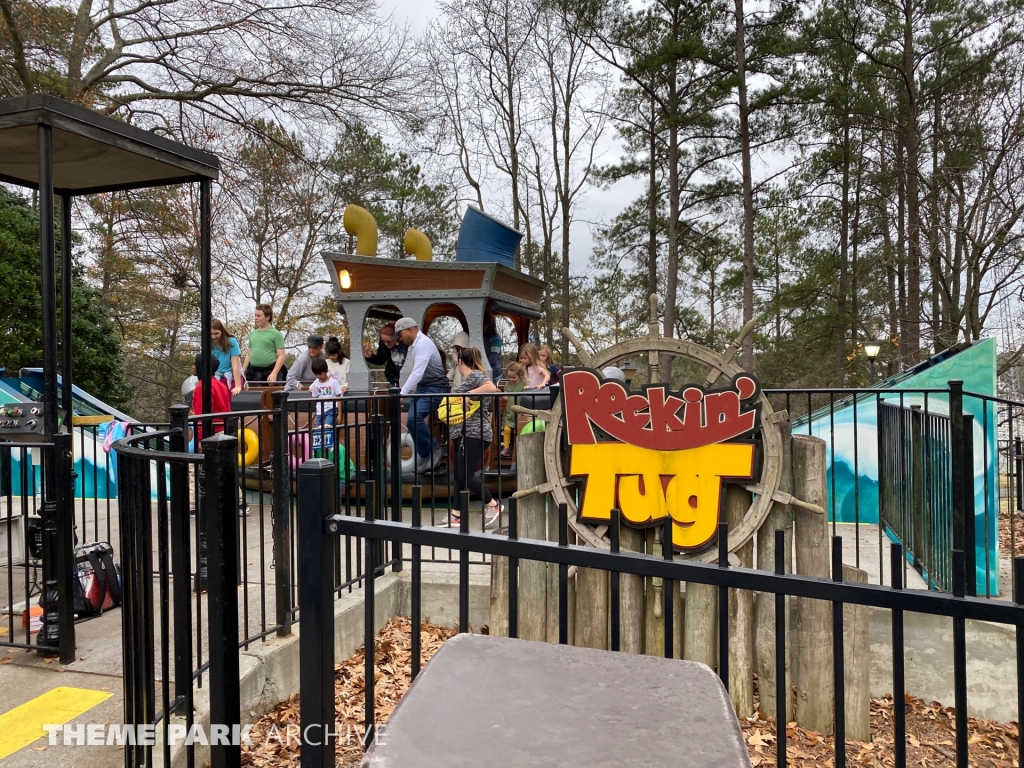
pixel 834 170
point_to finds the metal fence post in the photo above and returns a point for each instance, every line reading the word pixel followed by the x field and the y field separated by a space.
pixel 180 564
pixel 65 547
pixel 57 635
pixel 396 471
pixel 219 454
pixel 376 459
pixel 956 450
pixel 317 492
pixel 280 525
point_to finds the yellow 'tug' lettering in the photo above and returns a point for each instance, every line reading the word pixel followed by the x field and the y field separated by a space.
pixel 649 485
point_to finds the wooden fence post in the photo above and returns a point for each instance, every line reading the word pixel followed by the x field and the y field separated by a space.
pixel 592 612
pixel 857 662
pixel 498 626
pixel 631 593
pixel 812 619
pixel 779 517
pixel 533 576
pixel 654 600
pixel 700 624
pixel 741 612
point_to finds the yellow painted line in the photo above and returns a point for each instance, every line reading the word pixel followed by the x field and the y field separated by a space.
pixel 23 725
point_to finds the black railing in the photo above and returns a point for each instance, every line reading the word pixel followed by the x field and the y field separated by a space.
pixel 317 528
pixel 916 486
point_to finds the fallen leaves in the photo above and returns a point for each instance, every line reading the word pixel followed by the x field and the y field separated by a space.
pixel 931 740
pixel 392 656
pixel 931 727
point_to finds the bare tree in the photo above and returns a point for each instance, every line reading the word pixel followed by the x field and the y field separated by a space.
pixel 483 48
pixel 315 58
pixel 570 99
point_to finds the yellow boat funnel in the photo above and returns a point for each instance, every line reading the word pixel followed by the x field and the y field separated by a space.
pixel 417 244
pixel 361 225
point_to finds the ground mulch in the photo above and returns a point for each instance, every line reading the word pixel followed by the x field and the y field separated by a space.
pixel 931 735
pixel 1005 549
pixel 392 654
pixel 930 726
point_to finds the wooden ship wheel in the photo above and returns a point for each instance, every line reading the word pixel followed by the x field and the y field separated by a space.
pixel 765 488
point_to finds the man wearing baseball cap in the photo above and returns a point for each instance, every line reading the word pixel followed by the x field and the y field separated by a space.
pixel 301 374
pixel 426 377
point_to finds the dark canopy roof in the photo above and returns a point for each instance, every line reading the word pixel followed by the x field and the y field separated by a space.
pixel 91 152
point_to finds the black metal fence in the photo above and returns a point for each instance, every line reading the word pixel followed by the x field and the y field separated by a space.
pixel 167 551
pixel 318 528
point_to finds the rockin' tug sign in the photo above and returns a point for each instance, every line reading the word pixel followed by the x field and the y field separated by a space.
pixel 658 454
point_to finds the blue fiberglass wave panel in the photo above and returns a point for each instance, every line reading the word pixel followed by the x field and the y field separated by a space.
pixel 851 432
pixel 484 239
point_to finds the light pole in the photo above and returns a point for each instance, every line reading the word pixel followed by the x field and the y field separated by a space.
pixel 871 349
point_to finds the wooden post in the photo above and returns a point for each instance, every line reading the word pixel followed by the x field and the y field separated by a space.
pixel 654 601
pixel 533 576
pixel 857 662
pixel 779 517
pixel 812 619
pixel 592 614
pixel 498 626
pixel 741 612
pixel 631 595
pixel 700 624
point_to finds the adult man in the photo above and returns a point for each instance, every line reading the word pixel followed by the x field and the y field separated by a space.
pixel 390 353
pixel 426 377
pixel 301 374
pixel 265 358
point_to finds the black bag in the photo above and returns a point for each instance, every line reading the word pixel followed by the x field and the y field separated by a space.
pixel 96 582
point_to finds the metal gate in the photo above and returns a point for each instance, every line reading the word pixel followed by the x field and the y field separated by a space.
pixel 922 487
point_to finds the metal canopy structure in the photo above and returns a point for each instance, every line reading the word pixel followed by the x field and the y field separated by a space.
pixel 57 147
pixel 60 148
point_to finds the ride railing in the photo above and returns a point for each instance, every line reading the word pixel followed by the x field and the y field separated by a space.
pixel 318 529
pixel 847 420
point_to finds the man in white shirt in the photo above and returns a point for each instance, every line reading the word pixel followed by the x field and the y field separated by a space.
pixel 423 374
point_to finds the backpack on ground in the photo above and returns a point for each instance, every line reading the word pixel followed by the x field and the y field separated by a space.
pixel 96 585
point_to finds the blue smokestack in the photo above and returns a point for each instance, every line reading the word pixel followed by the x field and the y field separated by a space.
pixel 482 238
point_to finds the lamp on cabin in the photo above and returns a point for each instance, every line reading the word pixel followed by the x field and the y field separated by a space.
pixel 629 371
pixel 345 279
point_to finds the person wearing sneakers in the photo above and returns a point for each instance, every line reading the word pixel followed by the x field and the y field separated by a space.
pixel 471 439
pixel 426 376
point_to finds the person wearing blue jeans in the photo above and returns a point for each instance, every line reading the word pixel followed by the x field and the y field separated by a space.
pixel 423 374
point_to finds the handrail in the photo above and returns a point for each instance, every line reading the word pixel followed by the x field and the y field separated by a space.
pixel 125 447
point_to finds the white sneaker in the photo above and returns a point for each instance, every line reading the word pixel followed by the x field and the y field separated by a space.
pixel 436 456
pixel 451 520
pixel 492 513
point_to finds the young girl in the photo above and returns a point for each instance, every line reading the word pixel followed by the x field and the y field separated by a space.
pixel 337 362
pixel 516 383
pixel 537 376
pixel 548 361
pixel 228 355
pixel 471 439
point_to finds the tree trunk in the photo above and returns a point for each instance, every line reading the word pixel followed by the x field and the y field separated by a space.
pixel 747 353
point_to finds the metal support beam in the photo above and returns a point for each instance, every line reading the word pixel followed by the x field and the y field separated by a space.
pixel 206 288
pixel 48 270
pixel 65 307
